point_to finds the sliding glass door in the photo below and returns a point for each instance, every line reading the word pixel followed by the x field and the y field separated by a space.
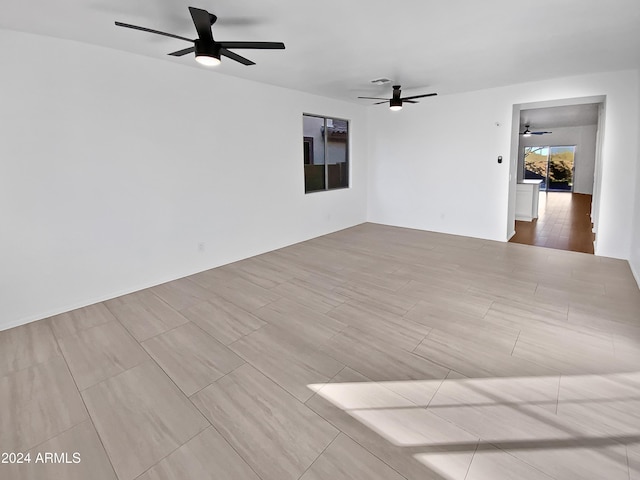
pixel 554 166
pixel 561 163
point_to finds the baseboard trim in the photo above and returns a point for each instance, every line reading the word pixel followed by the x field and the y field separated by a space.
pixel 635 273
pixel 87 302
pixel 152 283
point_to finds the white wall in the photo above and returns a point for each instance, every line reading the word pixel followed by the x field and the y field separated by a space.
pixel 114 167
pixel 634 259
pixel 433 166
pixel 584 137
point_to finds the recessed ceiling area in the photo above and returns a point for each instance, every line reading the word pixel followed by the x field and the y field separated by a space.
pixel 557 117
pixel 335 48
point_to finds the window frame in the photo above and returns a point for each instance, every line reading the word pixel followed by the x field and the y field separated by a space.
pixel 326 164
pixel 549 147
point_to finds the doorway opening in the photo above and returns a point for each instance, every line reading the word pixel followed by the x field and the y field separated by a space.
pixel 555 173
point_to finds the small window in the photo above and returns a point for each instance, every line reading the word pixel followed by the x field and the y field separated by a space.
pixel 326 153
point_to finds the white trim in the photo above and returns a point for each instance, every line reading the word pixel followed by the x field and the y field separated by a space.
pixel 84 303
pixel 120 293
pixel 636 274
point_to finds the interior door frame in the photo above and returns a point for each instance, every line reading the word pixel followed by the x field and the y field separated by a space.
pixel 513 162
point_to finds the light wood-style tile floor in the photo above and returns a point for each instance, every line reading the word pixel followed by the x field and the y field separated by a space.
pixel 371 353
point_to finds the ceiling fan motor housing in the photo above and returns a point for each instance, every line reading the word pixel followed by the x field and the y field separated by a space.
pixel 208 49
pixel 395 100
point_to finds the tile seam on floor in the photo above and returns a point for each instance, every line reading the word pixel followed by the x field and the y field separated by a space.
pixel 278 386
pixel 180 392
pixel 432 361
pixel 57 353
pixel 13 372
pixel 328 382
pixel 515 343
pixel 221 435
pixel 205 333
pixel 150 290
pixel 558 396
pixel 338 432
pixel 79 393
pixel 413 350
pixel 365 448
pixel 522 460
pixel 626 451
pixel 127 332
pixel 59 434
pixel 270 377
pixel 164 331
pixel 174 450
pixel 84 404
pixel 438 389
pixel 472 457
pixel 451 422
pixel 533 414
pixel 146 309
pixel 216 380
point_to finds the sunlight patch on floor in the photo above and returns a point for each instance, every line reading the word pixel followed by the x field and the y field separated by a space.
pixel 556 425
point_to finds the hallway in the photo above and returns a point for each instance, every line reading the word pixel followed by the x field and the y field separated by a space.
pixel 564 223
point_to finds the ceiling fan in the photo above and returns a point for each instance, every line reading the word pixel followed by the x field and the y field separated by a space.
pixel 395 102
pixel 207 50
pixel 528 133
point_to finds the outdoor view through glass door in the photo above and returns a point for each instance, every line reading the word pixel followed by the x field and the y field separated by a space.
pixel 553 165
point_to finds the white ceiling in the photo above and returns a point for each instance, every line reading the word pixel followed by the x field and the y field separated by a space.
pixel 335 47
pixel 555 117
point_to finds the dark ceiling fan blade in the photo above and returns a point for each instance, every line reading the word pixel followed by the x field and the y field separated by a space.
pixel 180 53
pixel 202 21
pixel 158 32
pixel 409 101
pixel 539 133
pixel 236 57
pixel 260 45
pixel 374 98
pixel 380 103
pixel 420 96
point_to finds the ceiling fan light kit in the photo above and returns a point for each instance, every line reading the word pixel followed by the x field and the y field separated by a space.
pixel 209 56
pixel 395 104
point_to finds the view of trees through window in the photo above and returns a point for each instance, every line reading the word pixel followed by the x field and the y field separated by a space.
pixel 553 165
pixel 326 153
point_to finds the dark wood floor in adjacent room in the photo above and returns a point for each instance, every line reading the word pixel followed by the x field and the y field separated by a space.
pixel 564 223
